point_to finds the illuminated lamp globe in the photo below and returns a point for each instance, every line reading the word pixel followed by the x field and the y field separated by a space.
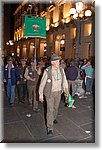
pixel 72 11
pixel 88 13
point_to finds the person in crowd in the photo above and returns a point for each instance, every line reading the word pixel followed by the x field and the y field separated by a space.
pixel 85 61
pixel 90 74
pixel 63 64
pixel 52 84
pixel 83 74
pixel 71 74
pixel 67 62
pixel 22 86
pixel 32 77
pixel 42 62
pixel 40 68
pixel 11 78
pixel 80 92
pixel 1 70
pixel 47 62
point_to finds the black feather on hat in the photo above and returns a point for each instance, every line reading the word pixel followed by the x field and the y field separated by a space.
pixel 32 59
pixel 23 59
pixel 9 58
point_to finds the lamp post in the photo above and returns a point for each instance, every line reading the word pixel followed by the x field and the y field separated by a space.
pixel 10 44
pixel 78 13
pixel 77 23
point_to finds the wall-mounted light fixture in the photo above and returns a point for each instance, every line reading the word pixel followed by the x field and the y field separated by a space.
pixel 45 47
pixel 62 42
pixel 45 44
pixel 13 53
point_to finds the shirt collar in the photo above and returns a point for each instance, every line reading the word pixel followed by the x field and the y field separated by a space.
pixel 7 66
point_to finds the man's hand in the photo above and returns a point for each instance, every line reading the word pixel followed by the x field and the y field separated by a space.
pixel 17 82
pixel 4 80
pixel 21 76
pixel 32 79
pixel 41 99
pixel 66 93
pixel 66 96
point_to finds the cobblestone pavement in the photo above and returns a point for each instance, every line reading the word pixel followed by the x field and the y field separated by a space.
pixel 74 125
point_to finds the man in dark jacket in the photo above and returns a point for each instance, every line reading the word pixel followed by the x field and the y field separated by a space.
pixel 71 74
pixel 11 77
pixel 22 87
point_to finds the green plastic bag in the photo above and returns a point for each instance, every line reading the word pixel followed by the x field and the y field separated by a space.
pixel 70 100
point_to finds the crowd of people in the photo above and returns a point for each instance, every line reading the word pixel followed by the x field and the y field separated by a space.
pixel 49 80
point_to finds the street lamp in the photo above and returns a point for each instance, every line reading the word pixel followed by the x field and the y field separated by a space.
pixel 10 43
pixel 78 13
pixel 45 48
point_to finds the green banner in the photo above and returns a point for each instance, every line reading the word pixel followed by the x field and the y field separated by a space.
pixel 34 27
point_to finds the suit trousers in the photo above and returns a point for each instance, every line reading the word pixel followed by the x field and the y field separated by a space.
pixel 52 108
pixel 32 95
pixel 22 92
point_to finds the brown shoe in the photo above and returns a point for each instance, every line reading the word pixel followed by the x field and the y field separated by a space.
pixel 55 121
pixel 66 104
pixel 50 132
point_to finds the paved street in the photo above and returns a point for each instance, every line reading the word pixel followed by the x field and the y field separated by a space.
pixel 74 125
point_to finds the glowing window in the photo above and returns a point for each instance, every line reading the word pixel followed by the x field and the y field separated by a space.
pixel 87 29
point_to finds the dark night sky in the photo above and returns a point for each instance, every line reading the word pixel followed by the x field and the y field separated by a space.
pixel 13 7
